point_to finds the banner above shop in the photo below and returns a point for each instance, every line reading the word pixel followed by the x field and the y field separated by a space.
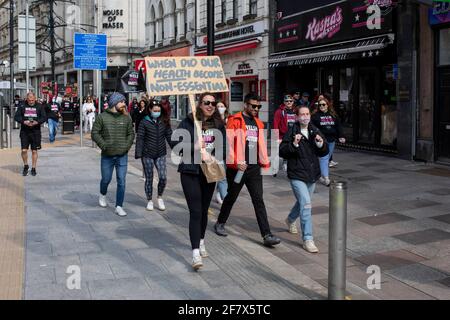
pixel 341 21
pixel 440 13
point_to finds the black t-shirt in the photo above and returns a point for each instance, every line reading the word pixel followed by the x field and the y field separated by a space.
pixel 52 110
pixel 290 117
pixel 208 135
pixel 67 106
pixel 251 141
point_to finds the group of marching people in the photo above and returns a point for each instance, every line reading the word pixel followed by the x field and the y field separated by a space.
pixel 304 141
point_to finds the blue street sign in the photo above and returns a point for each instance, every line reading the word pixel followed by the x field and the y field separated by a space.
pixel 90 52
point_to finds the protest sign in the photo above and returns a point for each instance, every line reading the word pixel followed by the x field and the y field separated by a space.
pixel 184 75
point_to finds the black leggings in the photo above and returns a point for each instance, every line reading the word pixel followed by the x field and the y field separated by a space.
pixel 198 193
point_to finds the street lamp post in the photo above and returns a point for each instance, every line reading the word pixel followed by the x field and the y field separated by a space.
pixel 2 71
pixel 210 23
pixel 11 66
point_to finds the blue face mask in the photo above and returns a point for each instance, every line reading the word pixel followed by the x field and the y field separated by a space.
pixel 156 115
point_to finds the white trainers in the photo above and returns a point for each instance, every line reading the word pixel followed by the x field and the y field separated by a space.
pixel 197 262
pixel 310 246
pixel 292 227
pixel 102 201
pixel 219 198
pixel 203 252
pixel 120 212
pixel 325 181
pixel 150 206
pixel 333 164
pixel 161 205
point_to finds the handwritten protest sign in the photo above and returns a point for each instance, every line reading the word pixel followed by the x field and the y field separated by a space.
pixel 184 75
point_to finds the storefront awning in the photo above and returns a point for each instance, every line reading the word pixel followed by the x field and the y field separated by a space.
pixel 360 48
pixel 232 47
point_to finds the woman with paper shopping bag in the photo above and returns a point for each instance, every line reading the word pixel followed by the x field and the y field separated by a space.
pixel 200 170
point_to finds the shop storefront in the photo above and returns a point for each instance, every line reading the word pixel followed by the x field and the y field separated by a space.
pixel 440 21
pixel 347 50
pixel 243 51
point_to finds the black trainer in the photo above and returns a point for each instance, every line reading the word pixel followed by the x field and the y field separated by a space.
pixel 26 169
pixel 33 172
pixel 219 228
pixel 270 240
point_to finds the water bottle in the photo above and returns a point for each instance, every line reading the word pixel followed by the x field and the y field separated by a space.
pixel 238 177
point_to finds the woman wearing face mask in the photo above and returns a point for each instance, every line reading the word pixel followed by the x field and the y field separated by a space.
pixel 326 120
pixel 153 132
pixel 222 186
pixel 301 146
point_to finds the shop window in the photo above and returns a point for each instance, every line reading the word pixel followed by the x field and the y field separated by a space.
pixel 253 7
pixel 389 107
pixel 263 90
pixel 237 91
pixel 235 9
pixel 254 87
pixel 224 11
pixel 444 47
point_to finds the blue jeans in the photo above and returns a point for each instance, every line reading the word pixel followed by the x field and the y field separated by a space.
pixel 222 187
pixel 325 161
pixel 52 127
pixel 303 193
pixel 107 166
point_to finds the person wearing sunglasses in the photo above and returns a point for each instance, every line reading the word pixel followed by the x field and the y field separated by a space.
pixel 284 119
pixel 197 191
pixel 247 154
pixel 327 121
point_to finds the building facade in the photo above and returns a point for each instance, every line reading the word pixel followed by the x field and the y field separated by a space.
pixel 242 42
pixel 122 21
pixel 366 55
pixel 170 31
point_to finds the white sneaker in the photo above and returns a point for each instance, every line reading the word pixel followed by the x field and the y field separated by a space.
pixel 292 227
pixel 333 164
pixel 102 201
pixel 161 205
pixel 197 262
pixel 120 212
pixel 150 206
pixel 325 181
pixel 219 198
pixel 310 246
pixel 203 252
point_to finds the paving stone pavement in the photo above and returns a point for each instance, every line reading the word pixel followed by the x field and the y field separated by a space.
pixel 397 219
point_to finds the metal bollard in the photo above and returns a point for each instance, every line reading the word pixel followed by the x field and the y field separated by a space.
pixel 2 127
pixel 337 241
pixel 8 131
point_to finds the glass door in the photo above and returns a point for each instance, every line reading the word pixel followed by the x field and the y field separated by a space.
pixel 367 105
pixel 344 108
pixel 444 114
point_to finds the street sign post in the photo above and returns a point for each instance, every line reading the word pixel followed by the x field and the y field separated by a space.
pixel 90 53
